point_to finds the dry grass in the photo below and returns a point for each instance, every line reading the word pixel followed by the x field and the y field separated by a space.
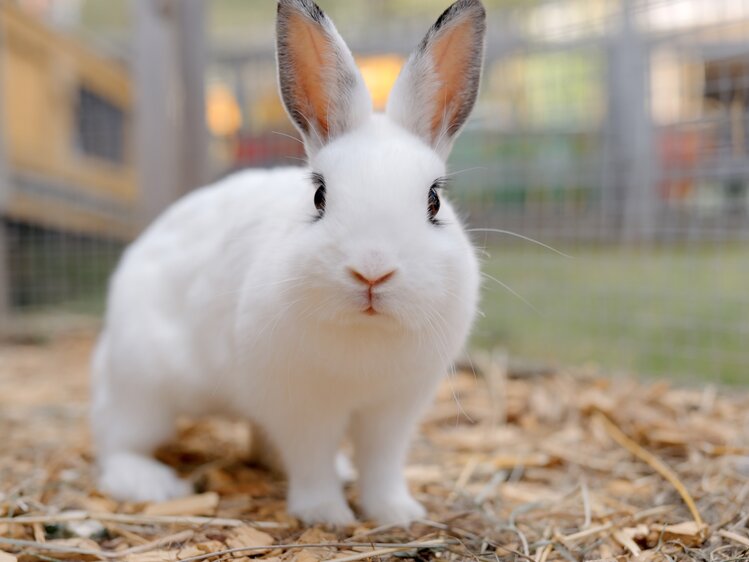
pixel 533 466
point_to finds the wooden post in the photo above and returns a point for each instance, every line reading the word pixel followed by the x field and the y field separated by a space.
pixel 190 36
pixel 4 276
pixel 4 194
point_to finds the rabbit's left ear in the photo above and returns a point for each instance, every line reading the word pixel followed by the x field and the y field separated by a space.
pixel 322 89
pixel 437 88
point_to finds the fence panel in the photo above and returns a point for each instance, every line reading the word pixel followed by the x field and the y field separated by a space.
pixel 615 131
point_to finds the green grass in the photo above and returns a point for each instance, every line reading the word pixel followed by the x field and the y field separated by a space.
pixel 664 312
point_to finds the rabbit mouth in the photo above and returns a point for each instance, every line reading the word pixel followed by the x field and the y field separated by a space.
pixel 369 304
pixel 370 310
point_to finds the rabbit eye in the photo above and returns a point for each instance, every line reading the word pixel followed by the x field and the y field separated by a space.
pixel 433 206
pixel 319 182
pixel 320 199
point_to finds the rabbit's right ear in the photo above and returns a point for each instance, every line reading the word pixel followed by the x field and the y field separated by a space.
pixel 322 89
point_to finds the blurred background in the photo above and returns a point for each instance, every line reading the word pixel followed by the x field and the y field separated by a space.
pixel 616 131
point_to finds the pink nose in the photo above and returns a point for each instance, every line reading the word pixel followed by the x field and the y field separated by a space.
pixel 369 281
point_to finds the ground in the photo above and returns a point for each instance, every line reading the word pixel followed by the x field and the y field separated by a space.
pixel 532 464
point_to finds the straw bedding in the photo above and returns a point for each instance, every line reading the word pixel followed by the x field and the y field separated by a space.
pixel 512 464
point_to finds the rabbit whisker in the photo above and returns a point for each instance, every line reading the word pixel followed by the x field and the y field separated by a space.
pixel 522 237
pixel 275 319
pixel 292 137
pixel 296 158
pixel 440 336
pixel 513 291
pixel 464 170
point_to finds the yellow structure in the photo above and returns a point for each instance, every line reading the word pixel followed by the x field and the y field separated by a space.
pixel 379 73
pixel 66 119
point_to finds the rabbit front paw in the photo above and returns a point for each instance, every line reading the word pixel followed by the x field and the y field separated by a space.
pixel 332 512
pixel 137 478
pixel 345 468
pixel 400 509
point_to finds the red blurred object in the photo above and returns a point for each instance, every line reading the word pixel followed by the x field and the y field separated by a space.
pixel 267 149
pixel 679 155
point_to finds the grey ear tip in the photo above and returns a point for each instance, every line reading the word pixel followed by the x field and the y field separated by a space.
pixel 307 7
pixel 476 5
pixel 475 9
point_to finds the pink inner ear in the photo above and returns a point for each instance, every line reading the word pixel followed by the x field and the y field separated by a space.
pixel 311 54
pixel 451 53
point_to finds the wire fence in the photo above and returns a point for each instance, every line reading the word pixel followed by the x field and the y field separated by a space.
pixel 615 131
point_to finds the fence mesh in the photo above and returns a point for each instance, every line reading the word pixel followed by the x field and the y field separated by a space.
pixel 614 131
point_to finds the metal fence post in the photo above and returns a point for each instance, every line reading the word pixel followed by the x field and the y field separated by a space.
pixel 156 132
pixel 190 35
pixel 631 130
pixel 169 65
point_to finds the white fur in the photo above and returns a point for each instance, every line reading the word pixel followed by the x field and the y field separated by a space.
pixel 236 301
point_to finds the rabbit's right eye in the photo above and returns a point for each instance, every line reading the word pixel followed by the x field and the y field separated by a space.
pixel 319 182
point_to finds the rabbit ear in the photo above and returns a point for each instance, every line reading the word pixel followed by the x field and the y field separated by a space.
pixel 321 86
pixel 437 87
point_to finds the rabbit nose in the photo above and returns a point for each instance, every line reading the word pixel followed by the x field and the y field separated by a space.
pixel 371 281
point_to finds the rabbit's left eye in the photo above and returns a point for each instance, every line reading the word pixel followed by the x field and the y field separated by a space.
pixel 433 205
pixel 320 199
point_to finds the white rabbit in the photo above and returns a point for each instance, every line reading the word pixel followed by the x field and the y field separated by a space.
pixel 314 302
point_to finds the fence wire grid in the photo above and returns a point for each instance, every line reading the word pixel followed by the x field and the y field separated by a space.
pixel 614 131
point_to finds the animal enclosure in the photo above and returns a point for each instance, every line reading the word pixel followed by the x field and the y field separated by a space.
pixel 601 408
pixel 615 132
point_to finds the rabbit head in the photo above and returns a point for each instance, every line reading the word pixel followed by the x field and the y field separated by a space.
pixel 382 245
